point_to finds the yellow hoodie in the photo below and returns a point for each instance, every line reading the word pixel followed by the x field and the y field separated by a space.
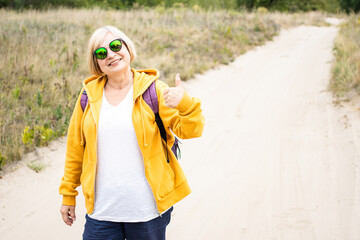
pixel 167 180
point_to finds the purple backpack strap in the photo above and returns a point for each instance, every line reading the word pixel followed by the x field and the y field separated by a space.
pixel 83 100
pixel 150 98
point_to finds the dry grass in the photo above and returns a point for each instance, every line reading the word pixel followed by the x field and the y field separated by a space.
pixel 345 81
pixel 43 57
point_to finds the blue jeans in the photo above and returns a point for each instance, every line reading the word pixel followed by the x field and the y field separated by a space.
pixel 104 230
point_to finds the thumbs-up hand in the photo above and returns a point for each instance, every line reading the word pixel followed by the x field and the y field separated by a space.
pixel 173 95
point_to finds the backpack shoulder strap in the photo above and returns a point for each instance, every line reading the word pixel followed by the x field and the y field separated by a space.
pixel 83 100
pixel 151 98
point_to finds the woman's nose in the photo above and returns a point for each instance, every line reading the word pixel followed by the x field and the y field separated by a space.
pixel 111 54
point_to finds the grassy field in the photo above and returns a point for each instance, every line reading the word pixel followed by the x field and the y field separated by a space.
pixel 345 81
pixel 43 57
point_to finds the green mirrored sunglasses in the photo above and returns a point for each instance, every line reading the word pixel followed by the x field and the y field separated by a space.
pixel 114 46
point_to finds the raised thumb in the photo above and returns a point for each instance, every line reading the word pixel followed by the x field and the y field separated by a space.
pixel 177 80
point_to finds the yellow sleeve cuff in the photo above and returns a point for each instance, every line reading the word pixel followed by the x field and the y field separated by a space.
pixel 69 200
pixel 185 103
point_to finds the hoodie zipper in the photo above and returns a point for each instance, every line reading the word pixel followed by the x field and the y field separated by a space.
pixel 95 156
pixel 158 212
pixel 145 172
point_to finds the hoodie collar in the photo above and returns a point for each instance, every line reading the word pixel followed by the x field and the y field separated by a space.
pixel 94 85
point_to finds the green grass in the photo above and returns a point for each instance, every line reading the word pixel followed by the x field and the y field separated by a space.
pixel 345 81
pixel 43 57
pixel 36 166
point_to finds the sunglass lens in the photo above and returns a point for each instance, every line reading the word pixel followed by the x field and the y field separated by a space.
pixel 115 45
pixel 101 53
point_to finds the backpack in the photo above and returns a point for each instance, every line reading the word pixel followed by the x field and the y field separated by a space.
pixel 151 99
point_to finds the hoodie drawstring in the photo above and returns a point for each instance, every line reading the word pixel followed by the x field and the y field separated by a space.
pixel 142 122
pixel 82 143
pixel 160 125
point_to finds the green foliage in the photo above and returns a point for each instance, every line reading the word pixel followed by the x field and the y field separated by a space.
pixel 282 5
pixel 58 114
pixel 291 5
pixel 350 5
pixel 160 9
pixel 39 98
pixel 2 161
pixel 263 3
pixel 28 136
pixel 214 4
pixel 38 136
pixel 332 6
pixel 262 10
pixel 16 93
pixel 43 135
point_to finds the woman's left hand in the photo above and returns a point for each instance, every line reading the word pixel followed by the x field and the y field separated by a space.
pixel 173 95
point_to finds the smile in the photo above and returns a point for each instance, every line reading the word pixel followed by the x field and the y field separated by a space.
pixel 113 62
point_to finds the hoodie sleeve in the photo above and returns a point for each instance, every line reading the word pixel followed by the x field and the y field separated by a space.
pixel 186 120
pixel 74 157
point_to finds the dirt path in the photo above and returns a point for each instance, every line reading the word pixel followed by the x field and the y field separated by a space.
pixel 278 159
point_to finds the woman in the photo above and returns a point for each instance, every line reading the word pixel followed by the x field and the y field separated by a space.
pixel 129 176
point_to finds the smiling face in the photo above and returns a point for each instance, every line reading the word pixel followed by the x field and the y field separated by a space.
pixel 115 62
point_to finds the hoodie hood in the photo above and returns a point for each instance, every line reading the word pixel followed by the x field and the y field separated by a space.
pixel 94 85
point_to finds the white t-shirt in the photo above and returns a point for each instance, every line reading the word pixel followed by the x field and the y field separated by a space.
pixel 122 193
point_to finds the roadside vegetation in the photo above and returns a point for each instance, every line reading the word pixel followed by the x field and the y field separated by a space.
pixel 345 81
pixel 44 60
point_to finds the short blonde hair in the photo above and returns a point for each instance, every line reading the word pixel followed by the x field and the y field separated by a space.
pixel 95 41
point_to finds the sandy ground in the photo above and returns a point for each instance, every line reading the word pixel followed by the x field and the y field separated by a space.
pixel 278 158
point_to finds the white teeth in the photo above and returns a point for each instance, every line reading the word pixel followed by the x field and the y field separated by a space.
pixel 115 61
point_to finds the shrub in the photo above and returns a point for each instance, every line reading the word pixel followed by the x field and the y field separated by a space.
pixel 262 10
pixel 28 136
pixel 36 166
pixel 2 161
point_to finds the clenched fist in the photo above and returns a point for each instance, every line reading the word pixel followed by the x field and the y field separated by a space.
pixel 173 95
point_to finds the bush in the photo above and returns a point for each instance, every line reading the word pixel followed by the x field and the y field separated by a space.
pixel 39 136
pixel 2 161
pixel 262 10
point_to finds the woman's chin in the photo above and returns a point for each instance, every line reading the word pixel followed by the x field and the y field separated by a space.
pixel 116 68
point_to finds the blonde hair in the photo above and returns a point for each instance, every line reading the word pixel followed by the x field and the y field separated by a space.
pixel 97 38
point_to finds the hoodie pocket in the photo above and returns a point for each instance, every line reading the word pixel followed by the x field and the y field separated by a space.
pixel 161 176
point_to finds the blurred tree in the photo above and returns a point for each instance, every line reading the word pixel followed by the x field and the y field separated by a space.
pixel 215 4
pixel 332 6
pixel 281 5
pixel 117 4
pixel 285 5
pixel 249 4
pixel 350 5
pixel 6 3
pixel 264 3
pixel 149 2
